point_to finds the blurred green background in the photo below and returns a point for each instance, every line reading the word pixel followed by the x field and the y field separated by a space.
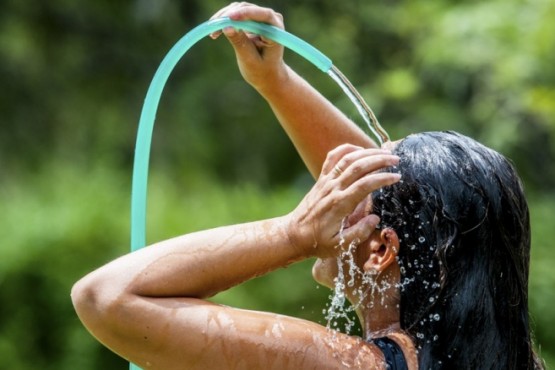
pixel 73 78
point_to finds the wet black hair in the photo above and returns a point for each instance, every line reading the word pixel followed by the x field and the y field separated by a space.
pixel 463 223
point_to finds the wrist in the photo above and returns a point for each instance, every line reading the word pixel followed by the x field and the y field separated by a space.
pixel 276 83
pixel 303 246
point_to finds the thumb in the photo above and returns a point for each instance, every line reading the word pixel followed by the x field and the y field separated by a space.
pixel 240 41
pixel 362 229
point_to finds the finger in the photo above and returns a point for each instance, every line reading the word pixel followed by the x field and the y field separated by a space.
pixel 244 47
pixel 335 155
pixel 362 210
pixel 350 197
pixel 256 13
pixel 245 11
pixel 222 13
pixel 365 165
pixel 349 157
pixel 259 41
pixel 361 230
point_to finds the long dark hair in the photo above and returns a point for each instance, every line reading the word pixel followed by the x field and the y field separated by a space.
pixel 463 222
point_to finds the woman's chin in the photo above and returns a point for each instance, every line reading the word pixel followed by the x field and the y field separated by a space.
pixel 324 271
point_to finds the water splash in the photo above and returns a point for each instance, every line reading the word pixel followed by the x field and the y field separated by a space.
pixel 363 108
pixel 371 291
pixel 339 308
pixel 349 274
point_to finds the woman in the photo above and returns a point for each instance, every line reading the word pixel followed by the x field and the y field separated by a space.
pixel 440 255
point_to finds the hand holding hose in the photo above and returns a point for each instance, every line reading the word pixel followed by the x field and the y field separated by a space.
pixel 260 60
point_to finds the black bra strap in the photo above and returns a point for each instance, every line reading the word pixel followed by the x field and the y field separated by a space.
pixel 394 358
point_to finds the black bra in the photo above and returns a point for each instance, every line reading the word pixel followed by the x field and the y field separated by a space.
pixel 394 358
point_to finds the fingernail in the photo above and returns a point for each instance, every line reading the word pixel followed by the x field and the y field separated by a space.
pixel 234 15
pixel 374 218
pixel 229 31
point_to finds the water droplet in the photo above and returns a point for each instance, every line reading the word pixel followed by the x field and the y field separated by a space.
pixel 437 317
pixel 436 337
pixel 420 335
pixel 421 239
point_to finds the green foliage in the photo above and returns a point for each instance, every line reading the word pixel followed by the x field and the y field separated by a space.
pixel 74 76
pixel 542 278
pixel 58 225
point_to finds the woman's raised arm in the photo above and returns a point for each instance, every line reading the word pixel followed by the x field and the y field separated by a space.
pixel 314 125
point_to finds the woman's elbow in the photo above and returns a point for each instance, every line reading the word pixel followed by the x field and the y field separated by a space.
pixel 96 302
pixel 84 298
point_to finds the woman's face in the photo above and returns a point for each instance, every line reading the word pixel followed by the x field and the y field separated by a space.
pixel 325 270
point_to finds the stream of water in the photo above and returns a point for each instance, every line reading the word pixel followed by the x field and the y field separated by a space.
pixel 363 108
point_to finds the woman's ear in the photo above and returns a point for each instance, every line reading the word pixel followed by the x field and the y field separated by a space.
pixel 383 251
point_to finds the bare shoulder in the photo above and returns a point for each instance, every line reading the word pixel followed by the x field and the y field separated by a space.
pixel 195 334
pixel 407 346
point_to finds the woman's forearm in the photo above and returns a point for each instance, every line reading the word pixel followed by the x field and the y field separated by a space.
pixel 200 264
pixel 314 125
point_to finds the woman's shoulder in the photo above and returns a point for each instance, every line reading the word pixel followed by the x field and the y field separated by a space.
pixel 406 344
pixel 330 349
pixel 272 341
pixel 355 353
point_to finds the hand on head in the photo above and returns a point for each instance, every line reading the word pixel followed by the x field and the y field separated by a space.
pixel 348 176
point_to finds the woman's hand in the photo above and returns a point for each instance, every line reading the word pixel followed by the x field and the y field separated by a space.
pixel 348 177
pixel 260 60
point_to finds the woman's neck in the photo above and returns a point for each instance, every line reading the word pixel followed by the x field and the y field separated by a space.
pixel 379 315
pixel 378 322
